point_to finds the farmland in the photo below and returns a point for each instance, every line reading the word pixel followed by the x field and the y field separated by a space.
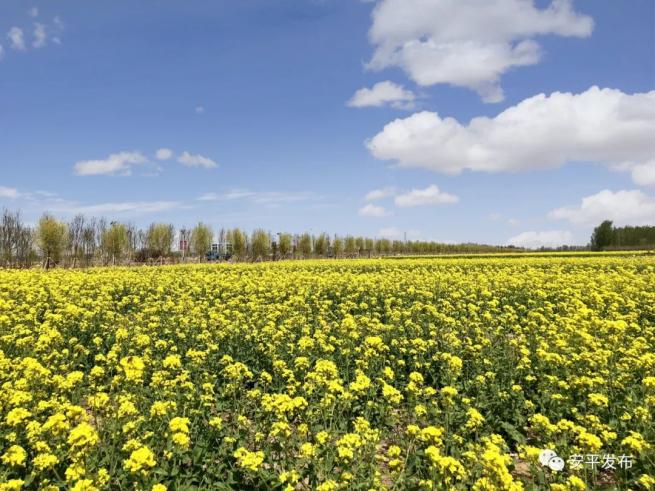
pixel 417 373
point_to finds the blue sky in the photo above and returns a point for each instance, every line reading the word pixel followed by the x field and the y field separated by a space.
pixel 258 103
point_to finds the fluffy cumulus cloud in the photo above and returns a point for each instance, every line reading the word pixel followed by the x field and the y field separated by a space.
pixel 623 207
pixel 431 195
pixel 542 132
pixel 467 43
pixel 164 154
pixel 643 174
pixel 550 238
pixel 371 210
pixel 381 193
pixel 16 38
pixel 383 94
pixel 191 160
pixel 117 163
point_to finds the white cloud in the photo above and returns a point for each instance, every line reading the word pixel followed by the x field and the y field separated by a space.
pixel 40 36
pixel 200 109
pixel 644 174
pixel 431 195
pixel 164 154
pixel 118 163
pixel 259 197
pixel 39 200
pixel 129 207
pixel 550 238
pixel 382 193
pixel 6 192
pixel 622 207
pixel 229 195
pixel 467 43
pixel 542 132
pixel 371 210
pixel 209 197
pixel 28 196
pixel 381 94
pixel 17 39
pixel 2 52
pixel 272 197
pixel 46 194
pixel 196 161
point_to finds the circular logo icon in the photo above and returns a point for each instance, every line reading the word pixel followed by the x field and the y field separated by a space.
pixel 549 458
pixel 546 455
pixel 556 464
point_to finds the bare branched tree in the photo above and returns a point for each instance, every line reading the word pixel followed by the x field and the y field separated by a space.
pixel 76 239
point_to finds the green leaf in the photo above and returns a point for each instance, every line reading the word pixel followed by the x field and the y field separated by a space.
pixel 513 432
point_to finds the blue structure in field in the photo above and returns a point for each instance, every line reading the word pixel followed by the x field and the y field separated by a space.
pixel 222 251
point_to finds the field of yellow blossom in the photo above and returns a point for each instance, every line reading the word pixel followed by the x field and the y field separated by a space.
pixel 428 373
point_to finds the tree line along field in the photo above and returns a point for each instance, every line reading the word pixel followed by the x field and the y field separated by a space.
pixel 89 241
pixel 373 374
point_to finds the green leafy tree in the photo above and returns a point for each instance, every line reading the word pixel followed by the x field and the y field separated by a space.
pixel 369 245
pixel 260 244
pixel 602 236
pixel 239 242
pixel 383 246
pixel 359 245
pixel 51 235
pixel 305 245
pixel 115 241
pixel 159 239
pixel 201 240
pixel 321 245
pixel 350 246
pixel 337 246
pixel 285 244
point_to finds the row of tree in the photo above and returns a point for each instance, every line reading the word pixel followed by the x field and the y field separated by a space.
pixel 607 237
pixel 85 241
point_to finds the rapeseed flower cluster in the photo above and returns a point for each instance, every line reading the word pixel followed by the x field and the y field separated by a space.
pixel 414 373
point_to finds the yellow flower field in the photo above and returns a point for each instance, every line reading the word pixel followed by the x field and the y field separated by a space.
pixel 376 374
